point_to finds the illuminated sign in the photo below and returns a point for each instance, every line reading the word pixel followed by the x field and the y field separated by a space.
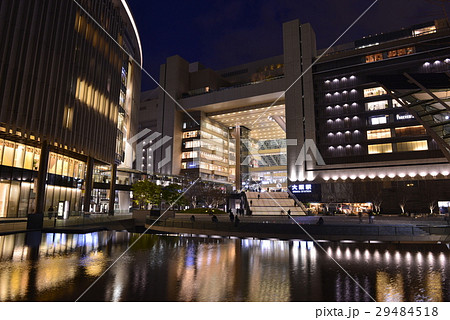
pixel 404 116
pixel 301 188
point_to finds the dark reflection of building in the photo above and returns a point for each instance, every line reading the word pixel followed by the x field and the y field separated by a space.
pixel 67 97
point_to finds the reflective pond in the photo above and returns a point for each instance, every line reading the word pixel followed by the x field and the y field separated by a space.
pixel 60 267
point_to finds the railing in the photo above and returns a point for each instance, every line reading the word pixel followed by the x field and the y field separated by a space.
pixel 298 202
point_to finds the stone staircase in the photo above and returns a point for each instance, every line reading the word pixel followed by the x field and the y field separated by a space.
pixel 273 203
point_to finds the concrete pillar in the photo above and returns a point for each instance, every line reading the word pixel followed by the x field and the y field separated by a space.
pixel 112 189
pixel 35 219
pixel 237 137
pixel 88 184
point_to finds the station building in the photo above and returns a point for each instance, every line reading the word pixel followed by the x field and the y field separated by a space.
pixel 361 124
pixel 69 92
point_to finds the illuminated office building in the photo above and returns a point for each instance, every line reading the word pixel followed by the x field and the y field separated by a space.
pixel 68 95
pixel 376 109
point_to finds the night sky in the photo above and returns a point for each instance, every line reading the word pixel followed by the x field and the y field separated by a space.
pixel 225 33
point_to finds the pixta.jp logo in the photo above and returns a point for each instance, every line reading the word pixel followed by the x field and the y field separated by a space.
pixel 146 147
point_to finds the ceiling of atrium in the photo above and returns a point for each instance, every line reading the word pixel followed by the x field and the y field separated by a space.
pixel 258 120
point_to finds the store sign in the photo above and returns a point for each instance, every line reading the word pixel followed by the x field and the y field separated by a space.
pixel 404 116
pixel 301 188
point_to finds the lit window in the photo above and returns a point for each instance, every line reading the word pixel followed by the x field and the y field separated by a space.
pixel 376 105
pixel 410 131
pixel 189 155
pixel 378 134
pixel 380 148
pixel 190 134
pixel 412 146
pixel 378 120
pixel 425 30
pixel 396 104
pixel 372 92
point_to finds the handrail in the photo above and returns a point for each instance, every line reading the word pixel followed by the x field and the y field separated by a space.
pixel 298 202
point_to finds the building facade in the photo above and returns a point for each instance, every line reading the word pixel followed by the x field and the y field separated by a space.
pixel 363 122
pixel 69 89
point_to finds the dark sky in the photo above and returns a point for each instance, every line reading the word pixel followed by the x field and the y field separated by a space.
pixel 224 33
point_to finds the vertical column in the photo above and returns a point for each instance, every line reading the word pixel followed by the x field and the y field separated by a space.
pixel 35 219
pixel 112 189
pixel 88 185
pixel 237 137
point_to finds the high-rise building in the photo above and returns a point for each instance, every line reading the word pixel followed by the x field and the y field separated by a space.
pixel 366 121
pixel 69 89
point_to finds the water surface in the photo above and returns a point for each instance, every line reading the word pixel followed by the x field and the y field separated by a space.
pixel 60 267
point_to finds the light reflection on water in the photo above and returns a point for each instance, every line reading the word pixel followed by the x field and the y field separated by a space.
pixel 59 267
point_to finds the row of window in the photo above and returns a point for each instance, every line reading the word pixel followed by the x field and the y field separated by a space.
pixel 65 166
pixel 18 155
pixel 401 147
pixel 399 132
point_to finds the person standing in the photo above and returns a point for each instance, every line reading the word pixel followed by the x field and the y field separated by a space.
pixel 360 216
pixel 370 216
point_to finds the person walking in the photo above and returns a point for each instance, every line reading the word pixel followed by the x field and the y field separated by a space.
pixel 360 214
pixel 259 196
pixel 251 203
pixel 370 216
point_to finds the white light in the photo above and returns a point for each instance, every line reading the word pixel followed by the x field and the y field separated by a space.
pixel 381 175
pixel 391 175
pixel 423 174
pixel 326 178
pixel 434 173
pixel 336 80
pixel 352 77
pixel 437 62
pixel 412 174
pixel 124 3
pixel 445 173
pixel 335 178
pixel 426 64
pixel 327 82
pixel 401 175
pixel 344 177
pixel 362 177
pixel 353 177
pixel 372 176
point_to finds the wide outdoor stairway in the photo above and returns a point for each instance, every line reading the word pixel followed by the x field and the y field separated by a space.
pixel 272 203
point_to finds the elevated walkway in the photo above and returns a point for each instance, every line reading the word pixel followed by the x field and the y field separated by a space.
pixel 273 203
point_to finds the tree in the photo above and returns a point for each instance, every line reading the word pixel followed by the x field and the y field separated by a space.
pixel 146 193
pixel 171 194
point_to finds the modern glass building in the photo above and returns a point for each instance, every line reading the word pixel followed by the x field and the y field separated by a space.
pixel 366 121
pixel 69 88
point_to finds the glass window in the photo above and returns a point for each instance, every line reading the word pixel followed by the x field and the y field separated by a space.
pixel 378 134
pixel 29 154
pixel 410 131
pixel 380 148
pixel 425 30
pixel 37 157
pixel 190 154
pixel 412 146
pixel 13 203
pixel 396 104
pixel 372 92
pixel 8 153
pixel 19 155
pixel 190 134
pixel 193 144
pixel 378 120
pixel 4 197
pixel 376 105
